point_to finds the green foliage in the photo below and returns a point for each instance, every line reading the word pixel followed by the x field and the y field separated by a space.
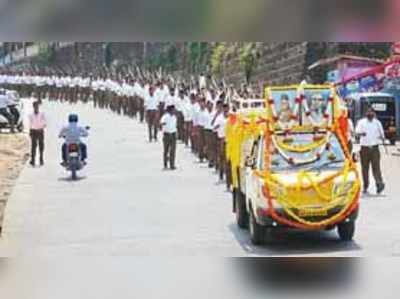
pixel 217 58
pixel 371 50
pixel 197 54
pixel 249 54
pixel 166 58
pixel 46 54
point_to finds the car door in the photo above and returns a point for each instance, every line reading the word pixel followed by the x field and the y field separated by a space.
pixel 253 181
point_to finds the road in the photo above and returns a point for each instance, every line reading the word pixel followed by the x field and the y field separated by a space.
pixel 126 205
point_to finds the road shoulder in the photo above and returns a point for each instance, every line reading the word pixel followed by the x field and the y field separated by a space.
pixel 13 155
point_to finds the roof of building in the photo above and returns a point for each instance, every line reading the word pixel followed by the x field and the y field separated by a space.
pixel 336 58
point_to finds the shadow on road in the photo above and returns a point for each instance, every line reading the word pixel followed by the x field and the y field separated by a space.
pixel 69 179
pixel 294 242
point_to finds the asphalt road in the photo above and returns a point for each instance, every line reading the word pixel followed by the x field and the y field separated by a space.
pixel 126 205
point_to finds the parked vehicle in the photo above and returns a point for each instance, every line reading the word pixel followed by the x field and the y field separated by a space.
pixel 16 108
pixel 384 105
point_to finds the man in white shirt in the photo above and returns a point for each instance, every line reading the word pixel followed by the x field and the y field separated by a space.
pixel 162 93
pixel 168 125
pixel 203 117
pixel 219 127
pixel 208 128
pixel 37 124
pixel 195 107
pixel 151 103
pixel 188 118
pixel 141 92
pixel 371 134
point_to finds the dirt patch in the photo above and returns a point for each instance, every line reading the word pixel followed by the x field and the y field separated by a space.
pixel 13 155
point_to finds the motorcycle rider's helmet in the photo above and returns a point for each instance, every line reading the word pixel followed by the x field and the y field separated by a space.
pixel 73 118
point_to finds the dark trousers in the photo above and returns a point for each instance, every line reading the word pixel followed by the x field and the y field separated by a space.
pixel 221 161
pixel 37 140
pixel 371 157
pixel 169 141
pixel 141 109
pixel 181 126
pixel 152 123
pixel 187 132
pixel 82 148
pixel 202 144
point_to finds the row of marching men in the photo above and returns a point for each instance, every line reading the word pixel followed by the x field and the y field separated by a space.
pixel 193 114
pixel 196 118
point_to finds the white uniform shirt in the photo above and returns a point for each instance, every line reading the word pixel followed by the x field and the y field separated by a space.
pixel 187 109
pixel 161 94
pixel 170 100
pixel 202 118
pixel 195 113
pixel 373 130
pixel 210 117
pixel 151 102
pixel 220 124
pixel 169 123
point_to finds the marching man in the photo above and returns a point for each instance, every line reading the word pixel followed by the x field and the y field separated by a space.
pixel 169 126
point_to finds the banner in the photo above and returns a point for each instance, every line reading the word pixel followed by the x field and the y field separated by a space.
pixel 372 80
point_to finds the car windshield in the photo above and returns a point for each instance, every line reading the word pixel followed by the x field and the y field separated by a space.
pixel 331 157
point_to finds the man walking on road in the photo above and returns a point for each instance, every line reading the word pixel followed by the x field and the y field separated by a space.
pixel 151 103
pixel 169 126
pixel 371 135
pixel 37 123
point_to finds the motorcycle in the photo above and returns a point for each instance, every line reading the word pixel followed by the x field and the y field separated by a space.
pixel 4 124
pixel 74 161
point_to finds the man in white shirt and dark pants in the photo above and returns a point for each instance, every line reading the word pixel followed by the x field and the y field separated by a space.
pixel 371 135
pixel 169 126
pixel 152 104
pixel 37 123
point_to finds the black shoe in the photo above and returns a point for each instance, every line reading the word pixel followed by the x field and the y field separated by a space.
pixel 173 168
pixel 380 188
pixel 41 162
pixel 32 163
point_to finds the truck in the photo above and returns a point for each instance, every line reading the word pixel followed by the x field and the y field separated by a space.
pixel 292 170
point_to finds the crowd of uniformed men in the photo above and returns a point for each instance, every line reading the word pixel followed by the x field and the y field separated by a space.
pixel 192 111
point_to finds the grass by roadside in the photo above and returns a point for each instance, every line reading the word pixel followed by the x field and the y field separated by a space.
pixel 13 155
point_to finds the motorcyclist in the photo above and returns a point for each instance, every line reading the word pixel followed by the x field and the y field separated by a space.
pixel 4 103
pixel 72 134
